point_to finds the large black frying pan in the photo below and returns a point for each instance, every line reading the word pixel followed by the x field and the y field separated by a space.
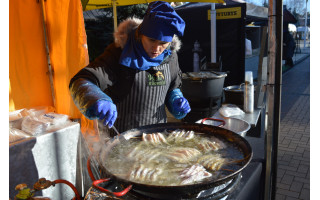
pixel 178 192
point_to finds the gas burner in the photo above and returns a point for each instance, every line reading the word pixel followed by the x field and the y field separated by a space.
pixel 217 193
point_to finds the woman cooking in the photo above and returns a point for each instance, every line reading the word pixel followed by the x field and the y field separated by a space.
pixel 130 84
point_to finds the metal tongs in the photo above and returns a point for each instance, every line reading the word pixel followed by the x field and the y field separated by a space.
pixel 119 136
pixel 114 128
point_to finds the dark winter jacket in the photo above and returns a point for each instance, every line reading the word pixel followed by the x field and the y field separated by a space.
pixel 118 82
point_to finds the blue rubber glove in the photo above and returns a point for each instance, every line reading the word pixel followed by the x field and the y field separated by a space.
pixel 181 104
pixel 93 102
pixel 105 110
pixel 177 105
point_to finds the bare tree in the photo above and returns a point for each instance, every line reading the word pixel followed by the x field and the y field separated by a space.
pixel 298 6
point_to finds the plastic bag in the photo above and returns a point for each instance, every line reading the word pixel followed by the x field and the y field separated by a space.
pixel 33 126
pixel 229 110
pixel 54 118
pixel 15 118
pixel 39 120
pixel 38 111
pixel 55 121
pixel 16 134
pixel 15 115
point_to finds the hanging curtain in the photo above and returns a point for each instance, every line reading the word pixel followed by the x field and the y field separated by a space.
pixel 28 64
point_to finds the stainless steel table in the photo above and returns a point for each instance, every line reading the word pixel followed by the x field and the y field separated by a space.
pixel 251 118
pixel 52 156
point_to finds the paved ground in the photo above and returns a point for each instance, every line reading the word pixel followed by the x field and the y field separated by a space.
pixel 293 181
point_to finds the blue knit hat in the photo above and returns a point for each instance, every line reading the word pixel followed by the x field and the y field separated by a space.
pixel 161 22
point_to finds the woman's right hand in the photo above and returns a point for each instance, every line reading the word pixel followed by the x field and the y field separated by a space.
pixel 106 111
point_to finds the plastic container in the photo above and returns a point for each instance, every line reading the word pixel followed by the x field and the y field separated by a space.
pixel 248 101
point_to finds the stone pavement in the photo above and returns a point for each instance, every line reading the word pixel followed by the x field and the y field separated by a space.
pixel 293 175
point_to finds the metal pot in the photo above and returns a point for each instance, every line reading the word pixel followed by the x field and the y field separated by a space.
pixel 177 192
pixel 204 84
pixel 238 126
pixel 234 94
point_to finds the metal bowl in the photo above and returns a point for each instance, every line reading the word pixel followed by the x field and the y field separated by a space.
pixel 234 94
pixel 238 126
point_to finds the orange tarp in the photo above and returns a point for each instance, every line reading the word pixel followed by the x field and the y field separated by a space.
pixel 28 65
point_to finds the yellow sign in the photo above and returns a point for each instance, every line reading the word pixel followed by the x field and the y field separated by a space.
pixel 227 13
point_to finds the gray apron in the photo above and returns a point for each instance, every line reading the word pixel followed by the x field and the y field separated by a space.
pixel 144 104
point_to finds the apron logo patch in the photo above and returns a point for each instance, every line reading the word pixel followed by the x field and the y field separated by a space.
pixel 156 78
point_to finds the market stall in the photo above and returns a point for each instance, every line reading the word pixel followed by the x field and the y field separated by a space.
pixel 46 50
pixel 54 153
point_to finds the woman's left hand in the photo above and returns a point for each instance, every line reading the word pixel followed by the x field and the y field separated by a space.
pixel 181 104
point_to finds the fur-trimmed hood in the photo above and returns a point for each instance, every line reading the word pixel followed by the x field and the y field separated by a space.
pixel 125 27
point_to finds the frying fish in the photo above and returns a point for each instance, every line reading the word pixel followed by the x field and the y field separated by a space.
pixel 139 153
pixel 154 138
pixel 212 162
pixel 194 174
pixel 144 174
pixel 214 144
pixel 182 154
pixel 180 135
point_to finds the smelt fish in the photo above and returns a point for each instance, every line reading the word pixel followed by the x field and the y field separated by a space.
pixel 180 136
pixel 193 174
pixel 213 144
pixel 154 138
pixel 182 154
pixel 144 174
pixel 212 162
